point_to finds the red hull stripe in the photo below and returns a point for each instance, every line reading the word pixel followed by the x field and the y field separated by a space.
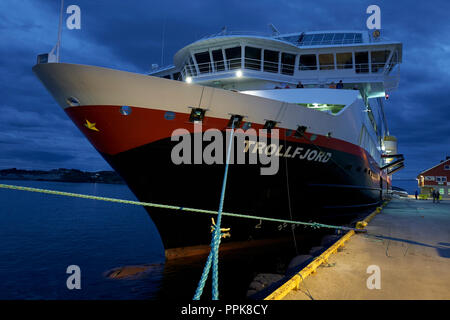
pixel 118 133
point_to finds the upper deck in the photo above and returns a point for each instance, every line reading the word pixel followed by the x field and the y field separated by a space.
pixel 245 61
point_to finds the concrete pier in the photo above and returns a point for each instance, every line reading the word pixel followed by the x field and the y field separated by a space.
pixel 409 241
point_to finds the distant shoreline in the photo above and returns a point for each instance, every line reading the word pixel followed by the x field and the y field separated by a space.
pixel 62 175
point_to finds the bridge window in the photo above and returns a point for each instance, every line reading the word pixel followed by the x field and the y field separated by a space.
pixel 287 63
pixel 317 39
pixel 326 61
pixel 308 62
pixel 362 62
pixel 379 59
pixel 252 58
pixel 271 59
pixel 203 62
pixel 233 58
pixel 344 60
pixel 328 38
pixel 219 64
pixel 349 38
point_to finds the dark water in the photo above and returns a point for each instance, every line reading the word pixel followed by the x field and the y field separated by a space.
pixel 41 235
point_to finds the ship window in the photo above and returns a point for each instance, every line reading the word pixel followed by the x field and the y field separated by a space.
pixel 73 102
pixel 344 60
pixel 308 62
pixel 125 110
pixel 247 125
pixel 328 38
pixel 361 62
pixel 271 61
pixel 379 58
pixel 349 38
pixel 252 58
pixel 338 38
pixel 326 61
pixel 203 62
pixel 287 63
pixel 306 41
pixel 317 38
pixel 218 60
pixel 233 58
pixel 176 76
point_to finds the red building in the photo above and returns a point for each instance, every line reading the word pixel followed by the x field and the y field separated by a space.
pixel 437 178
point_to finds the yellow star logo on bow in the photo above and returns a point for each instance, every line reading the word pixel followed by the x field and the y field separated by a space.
pixel 90 125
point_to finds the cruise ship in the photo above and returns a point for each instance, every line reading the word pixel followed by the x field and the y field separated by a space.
pixel 323 92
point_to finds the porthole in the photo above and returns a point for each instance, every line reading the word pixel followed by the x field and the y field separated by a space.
pixel 72 101
pixel 169 115
pixel 125 110
pixel 247 125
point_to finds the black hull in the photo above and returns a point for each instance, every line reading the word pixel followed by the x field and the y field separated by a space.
pixel 318 192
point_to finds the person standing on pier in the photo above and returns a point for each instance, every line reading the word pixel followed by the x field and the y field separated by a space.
pixel 437 196
pixel 416 193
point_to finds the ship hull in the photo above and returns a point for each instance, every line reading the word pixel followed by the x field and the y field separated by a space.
pixel 136 142
pixel 303 188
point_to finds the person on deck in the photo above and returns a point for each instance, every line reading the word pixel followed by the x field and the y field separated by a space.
pixel 340 85
pixel 300 85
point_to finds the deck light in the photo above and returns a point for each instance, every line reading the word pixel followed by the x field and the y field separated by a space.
pixel 239 73
pixel 188 79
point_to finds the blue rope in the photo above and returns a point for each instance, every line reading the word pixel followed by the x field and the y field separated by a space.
pixel 213 257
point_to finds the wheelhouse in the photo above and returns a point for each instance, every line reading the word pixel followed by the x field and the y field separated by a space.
pixel 316 59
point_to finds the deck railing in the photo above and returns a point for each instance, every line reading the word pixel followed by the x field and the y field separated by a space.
pixel 206 68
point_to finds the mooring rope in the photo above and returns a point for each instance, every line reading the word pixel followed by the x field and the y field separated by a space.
pixel 213 256
pixel 179 208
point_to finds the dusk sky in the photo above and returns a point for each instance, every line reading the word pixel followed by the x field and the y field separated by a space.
pixel 35 133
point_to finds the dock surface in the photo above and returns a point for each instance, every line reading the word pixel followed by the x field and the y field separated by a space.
pixel 410 243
